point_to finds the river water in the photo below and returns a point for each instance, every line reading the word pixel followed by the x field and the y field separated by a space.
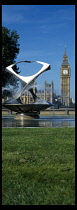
pixel 48 122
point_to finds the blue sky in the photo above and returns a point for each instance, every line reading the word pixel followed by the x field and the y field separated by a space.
pixel 44 30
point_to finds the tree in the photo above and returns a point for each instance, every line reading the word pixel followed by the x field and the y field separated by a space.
pixel 10 49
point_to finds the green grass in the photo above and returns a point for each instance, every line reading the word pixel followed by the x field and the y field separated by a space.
pixel 38 166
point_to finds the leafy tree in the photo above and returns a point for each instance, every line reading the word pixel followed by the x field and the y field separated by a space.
pixel 10 49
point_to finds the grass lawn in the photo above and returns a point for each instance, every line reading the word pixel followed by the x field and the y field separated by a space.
pixel 38 166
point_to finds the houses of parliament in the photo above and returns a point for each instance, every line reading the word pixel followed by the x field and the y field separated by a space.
pixel 48 93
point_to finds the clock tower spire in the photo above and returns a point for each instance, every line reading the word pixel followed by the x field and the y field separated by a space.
pixel 65 80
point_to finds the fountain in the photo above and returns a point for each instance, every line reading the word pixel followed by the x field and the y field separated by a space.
pixel 27 111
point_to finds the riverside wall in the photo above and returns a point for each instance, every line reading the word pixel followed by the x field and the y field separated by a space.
pixel 62 111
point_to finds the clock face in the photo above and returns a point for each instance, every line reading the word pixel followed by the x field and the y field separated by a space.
pixel 65 71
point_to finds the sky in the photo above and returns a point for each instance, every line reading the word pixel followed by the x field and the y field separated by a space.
pixel 44 31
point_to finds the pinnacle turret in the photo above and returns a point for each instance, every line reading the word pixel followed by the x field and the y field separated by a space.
pixel 65 58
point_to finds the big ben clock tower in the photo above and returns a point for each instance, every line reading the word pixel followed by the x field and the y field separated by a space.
pixel 65 80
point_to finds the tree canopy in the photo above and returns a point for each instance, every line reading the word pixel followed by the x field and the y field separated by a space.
pixel 10 50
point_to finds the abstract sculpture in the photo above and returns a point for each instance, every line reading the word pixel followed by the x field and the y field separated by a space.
pixel 14 104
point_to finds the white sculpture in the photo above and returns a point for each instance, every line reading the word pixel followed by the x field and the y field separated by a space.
pixel 26 81
pixel 15 104
pixel 29 79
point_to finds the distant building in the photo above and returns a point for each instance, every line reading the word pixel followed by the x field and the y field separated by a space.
pixel 46 94
pixel 26 97
pixel 49 91
pixel 65 81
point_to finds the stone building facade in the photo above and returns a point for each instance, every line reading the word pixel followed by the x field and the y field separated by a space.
pixel 65 80
pixel 46 94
